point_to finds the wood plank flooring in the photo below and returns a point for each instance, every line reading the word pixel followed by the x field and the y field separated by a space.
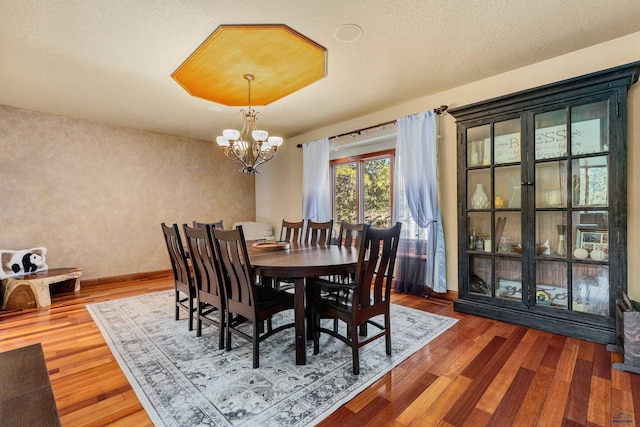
pixel 479 373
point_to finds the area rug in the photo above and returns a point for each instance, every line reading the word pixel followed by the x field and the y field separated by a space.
pixel 185 380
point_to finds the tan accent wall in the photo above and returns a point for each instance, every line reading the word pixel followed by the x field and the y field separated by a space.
pixel 95 194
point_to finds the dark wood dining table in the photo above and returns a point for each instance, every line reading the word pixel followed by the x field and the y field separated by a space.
pixel 299 262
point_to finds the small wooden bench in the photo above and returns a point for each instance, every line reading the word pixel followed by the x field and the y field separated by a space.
pixel 34 289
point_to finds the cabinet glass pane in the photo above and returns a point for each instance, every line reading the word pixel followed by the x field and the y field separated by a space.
pixel 479 146
pixel 590 181
pixel 551 284
pixel 551 234
pixel 551 135
pixel 480 275
pixel 507 187
pixel 479 189
pixel 479 226
pixel 506 141
pixel 591 289
pixel 591 235
pixel 508 231
pixel 509 278
pixel 551 184
pixel 589 128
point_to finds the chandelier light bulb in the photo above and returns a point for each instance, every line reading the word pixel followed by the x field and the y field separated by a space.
pixel 222 141
pixel 231 134
pixel 275 141
pixel 260 135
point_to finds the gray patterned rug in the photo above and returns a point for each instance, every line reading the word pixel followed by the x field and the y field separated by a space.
pixel 183 380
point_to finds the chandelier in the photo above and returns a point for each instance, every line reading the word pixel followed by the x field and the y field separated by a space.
pixel 249 147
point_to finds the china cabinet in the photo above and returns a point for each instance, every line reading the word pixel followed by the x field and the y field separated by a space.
pixel 542 205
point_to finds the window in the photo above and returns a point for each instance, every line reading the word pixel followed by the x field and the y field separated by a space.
pixel 363 188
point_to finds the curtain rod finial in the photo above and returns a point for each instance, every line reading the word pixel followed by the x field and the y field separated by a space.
pixel 441 109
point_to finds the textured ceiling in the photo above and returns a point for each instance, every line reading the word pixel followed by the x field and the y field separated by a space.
pixel 111 61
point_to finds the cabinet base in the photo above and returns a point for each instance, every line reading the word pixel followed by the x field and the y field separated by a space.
pixel 543 322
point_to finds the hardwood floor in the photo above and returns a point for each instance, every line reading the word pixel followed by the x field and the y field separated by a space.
pixel 479 373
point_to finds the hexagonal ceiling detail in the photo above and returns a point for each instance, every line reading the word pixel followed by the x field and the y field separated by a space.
pixel 281 59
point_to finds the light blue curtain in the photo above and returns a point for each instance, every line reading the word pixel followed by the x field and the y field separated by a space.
pixel 316 188
pixel 421 253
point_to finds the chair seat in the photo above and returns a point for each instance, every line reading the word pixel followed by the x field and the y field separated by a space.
pixel 270 297
pixel 337 294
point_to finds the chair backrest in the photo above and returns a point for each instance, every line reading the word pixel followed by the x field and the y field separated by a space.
pixel 350 234
pixel 291 231
pixel 319 232
pixel 235 267
pixel 201 252
pixel 219 225
pixel 376 260
pixel 181 272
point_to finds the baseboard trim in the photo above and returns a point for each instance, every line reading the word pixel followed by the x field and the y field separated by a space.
pixel 148 275
pixel 449 296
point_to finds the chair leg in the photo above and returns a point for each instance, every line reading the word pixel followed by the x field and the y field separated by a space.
pixel 256 346
pixel 190 314
pixel 177 307
pixel 228 331
pixel 199 322
pixel 387 335
pixel 316 332
pixel 222 331
pixel 355 353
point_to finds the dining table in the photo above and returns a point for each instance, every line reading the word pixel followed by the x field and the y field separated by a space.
pixel 298 262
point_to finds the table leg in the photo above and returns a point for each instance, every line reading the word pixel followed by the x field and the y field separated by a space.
pixel 300 317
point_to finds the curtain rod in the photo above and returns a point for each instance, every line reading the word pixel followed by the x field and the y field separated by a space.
pixel 439 110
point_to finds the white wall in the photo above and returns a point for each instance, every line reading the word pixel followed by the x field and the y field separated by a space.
pixel 279 187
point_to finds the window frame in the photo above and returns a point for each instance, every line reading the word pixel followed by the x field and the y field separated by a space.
pixel 359 160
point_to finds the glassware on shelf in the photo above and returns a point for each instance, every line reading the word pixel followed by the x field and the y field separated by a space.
pixel 472 240
pixel 561 249
pixel 505 243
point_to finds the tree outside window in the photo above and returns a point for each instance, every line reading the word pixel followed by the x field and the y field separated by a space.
pixel 362 189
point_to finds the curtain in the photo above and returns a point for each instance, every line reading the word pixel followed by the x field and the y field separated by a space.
pixel 421 252
pixel 316 188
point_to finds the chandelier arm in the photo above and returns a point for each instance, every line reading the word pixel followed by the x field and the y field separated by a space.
pixel 265 158
pixel 235 156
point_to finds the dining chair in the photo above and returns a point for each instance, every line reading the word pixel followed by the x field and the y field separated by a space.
pixel 219 225
pixel 246 300
pixel 350 234
pixel 291 231
pixel 182 278
pixel 319 232
pixel 210 296
pixel 368 296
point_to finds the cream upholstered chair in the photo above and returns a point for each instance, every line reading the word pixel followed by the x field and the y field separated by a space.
pixel 256 230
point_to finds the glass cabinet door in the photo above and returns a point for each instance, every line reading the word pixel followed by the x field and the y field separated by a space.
pixel 571 215
pixel 494 221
